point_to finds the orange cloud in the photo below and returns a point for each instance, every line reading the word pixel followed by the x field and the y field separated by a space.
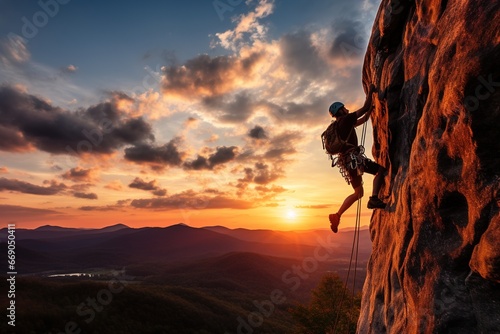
pixel 79 174
pixel 203 76
pixel 114 185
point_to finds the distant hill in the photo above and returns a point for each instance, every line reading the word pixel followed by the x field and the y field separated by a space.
pixel 49 231
pixel 57 249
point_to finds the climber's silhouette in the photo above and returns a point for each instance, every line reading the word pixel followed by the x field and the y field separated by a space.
pixel 351 160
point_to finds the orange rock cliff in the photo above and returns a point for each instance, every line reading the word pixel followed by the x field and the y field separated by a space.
pixel 435 265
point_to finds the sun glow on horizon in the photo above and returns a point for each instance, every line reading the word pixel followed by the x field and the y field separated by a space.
pixel 291 214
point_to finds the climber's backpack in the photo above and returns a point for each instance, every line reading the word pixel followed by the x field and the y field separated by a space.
pixel 332 143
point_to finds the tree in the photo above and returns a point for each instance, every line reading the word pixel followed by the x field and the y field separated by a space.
pixel 331 310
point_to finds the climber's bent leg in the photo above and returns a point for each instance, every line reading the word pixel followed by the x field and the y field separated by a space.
pixel 335 217
pixel 375 169
pixel 378 181
pixel 358 193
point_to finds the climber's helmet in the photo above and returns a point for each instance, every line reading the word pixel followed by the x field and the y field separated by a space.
pixel 335 107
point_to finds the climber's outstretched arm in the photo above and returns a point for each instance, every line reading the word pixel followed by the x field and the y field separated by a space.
pixel 363 114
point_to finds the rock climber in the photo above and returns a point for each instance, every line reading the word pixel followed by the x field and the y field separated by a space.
pixel 346 124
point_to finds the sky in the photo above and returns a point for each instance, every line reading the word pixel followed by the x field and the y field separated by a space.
pixel 154 113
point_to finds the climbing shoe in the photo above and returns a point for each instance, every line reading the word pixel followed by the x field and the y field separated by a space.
pixel 375 203
pixel 334 222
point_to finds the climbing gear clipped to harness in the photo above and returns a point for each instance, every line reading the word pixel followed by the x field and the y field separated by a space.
pixel 354 159
pixel 332 142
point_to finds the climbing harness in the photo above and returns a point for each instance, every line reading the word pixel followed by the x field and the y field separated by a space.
pixel 354 159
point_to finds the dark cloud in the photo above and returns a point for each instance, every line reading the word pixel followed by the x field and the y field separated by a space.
pixel 205 76
pixel 269 166
pixel 160 192
pixel 167 154
pixel 152 186
pixel 190 200
pixel 85 195
pixel 222 155
pixel 81 187
pixel 232 109
pixel 349 40
pixel 52 188
pixel 279 153
pixel 283 145
pixel 100 208
pixel 301 56
pixel 197 164
pixel 265 175
pixel 139 183
pixel 260 173
pixel 12 140
pixel 28 121
pixel 119 206
pixel 257 132
pixel 79 174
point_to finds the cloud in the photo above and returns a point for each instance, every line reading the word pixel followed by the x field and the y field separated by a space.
pixel 104 208
pixel 301 56
pixel 270 190
pixel 70 69
pixel 85 195
pixel 152 186
pixel 3 170
pixel 205 76
pixel 260 173
pixel 27 121
pixel 349 40
pixel 164 155
pixel 257 132
pixel 79 174
pixel 13 50
pixel 222 155
pixel 52 188
pixel 190 200
pixel 139 183
pixel 12 140
pixel 81 187
pixel 114 185
pixel 232 109
pixel 265 175
pixel 248 27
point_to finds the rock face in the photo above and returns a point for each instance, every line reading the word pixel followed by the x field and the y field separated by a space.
pixel 435 266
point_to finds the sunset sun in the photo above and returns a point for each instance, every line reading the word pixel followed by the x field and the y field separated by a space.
pixel 291 214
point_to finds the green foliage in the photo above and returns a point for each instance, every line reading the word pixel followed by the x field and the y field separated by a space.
pixel 48 305
pixel 332 309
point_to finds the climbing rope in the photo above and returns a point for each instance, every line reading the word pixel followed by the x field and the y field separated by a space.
pixel 354 254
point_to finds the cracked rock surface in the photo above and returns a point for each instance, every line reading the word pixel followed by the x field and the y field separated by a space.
pixel 435 265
